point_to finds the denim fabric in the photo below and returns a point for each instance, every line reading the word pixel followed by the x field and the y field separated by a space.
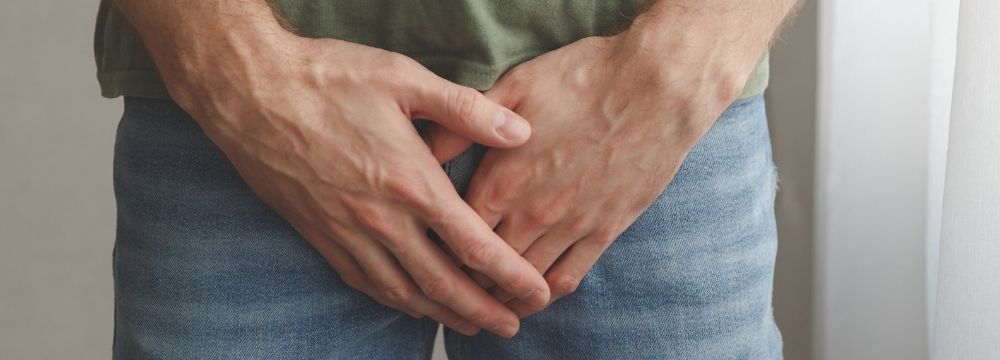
pixel 204 270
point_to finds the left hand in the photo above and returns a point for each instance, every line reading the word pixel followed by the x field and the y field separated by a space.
pixel 611 126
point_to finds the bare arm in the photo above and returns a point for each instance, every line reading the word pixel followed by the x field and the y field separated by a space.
pixel 722 37
pixel 191 41
pixel 320 130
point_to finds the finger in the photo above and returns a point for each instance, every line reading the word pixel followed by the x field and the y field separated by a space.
pixel 390 280
pixel 485 197
pixel 538 243
pixel 437 277
pixel 568 271
pixel 522 310
pixel 484 281
pixel 348 269
pixel 492 219
pixel 445 144
pixel 492 214
pixel 542 254
pixel 469 113
pixel 479 278
pixel 502 295
pixel 352 275
pixel 509 90
pixel 519 235
pixel 482 250
pixel 475 244
pixel 546 250
pixel 443 282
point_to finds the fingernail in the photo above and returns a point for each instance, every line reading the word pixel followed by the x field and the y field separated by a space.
pixel 509 127
pixel 506 331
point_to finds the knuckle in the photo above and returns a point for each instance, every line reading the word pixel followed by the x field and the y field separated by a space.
pixel 463 101
pixel 517 78
pixel 501 185
pixel 502 194
pixel 399 294
pixel 479 255
pixel 439 289
pixel 399 61
pixel 487 199
pixel 543 216
pixel 396 64
pixel 374 219
pixel 407 190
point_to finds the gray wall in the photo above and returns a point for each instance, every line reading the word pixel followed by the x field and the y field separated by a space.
pixel 57 208
pixel 791 106
pixel 56 204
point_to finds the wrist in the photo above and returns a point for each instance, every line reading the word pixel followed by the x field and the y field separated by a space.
pixel 194 43
pixel 700 30
pixel 745 31
pixel 681 51
pixel 227 56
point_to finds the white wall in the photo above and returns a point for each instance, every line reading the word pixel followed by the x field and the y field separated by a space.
pixel 944 33
pixel 967 324
pixel 871 205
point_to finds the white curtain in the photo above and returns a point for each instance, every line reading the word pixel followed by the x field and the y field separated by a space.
pixel 967 323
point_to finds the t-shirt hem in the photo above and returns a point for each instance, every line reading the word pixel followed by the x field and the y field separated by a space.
pixel 136 83
pixel 148 84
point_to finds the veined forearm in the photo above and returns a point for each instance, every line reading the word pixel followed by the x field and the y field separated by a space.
pixel 744 28
pixel 721 41
pixel 753 23
pixel 188 37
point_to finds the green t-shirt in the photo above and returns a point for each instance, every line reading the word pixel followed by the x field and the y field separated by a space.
pixel 470 42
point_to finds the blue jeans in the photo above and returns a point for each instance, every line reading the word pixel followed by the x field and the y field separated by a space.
pixel 204 270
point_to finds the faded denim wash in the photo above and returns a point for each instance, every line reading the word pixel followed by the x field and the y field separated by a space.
pixel 204 270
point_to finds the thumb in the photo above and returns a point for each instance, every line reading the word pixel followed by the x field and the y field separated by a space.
pixel 470 114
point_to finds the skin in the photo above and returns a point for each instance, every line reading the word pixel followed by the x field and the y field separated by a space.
pixel 634 103
pixel 321 131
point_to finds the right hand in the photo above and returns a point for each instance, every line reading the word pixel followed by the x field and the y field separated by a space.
pixel 322 133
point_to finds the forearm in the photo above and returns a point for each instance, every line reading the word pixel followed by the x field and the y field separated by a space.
pixel 756 21
pixel 190 40
pixel 727 37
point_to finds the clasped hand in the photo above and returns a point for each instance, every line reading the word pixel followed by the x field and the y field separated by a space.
pixel 610 129
pixel 323 135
